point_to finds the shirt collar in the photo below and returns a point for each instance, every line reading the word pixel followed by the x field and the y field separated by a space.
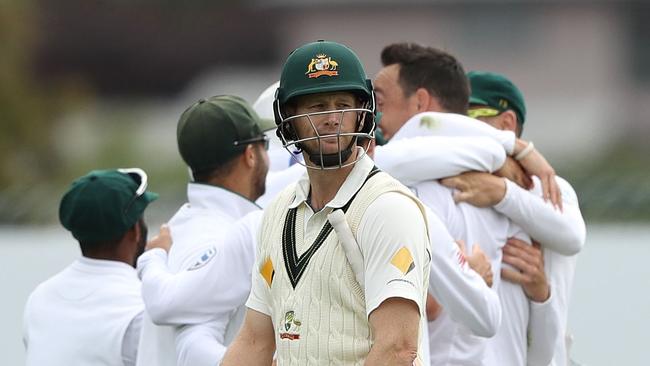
pixel 350 186
pixel 87 264
pixel 221 199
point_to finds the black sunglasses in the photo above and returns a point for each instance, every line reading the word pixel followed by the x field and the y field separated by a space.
pixel 140 177
pixel 254 140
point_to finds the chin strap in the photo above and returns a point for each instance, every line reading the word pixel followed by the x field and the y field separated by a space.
pixel 330 160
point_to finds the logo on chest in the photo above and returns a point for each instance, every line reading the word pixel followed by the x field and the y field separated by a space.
pixel 290 328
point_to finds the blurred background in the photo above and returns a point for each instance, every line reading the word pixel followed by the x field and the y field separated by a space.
pixel 100 84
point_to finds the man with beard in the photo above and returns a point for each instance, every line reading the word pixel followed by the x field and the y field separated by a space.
pixel 91 312
pixel 222 141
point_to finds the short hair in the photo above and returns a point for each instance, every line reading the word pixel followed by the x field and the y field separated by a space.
pixel 430 68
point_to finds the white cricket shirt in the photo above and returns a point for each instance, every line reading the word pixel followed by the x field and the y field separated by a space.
pixel 83 314
pixel 199 232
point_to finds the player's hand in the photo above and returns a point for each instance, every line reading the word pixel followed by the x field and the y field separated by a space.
pixel 535 164
pixel 476 188
pixel 529 264
pixel 515 172
pixel 163 240
pixel 478 261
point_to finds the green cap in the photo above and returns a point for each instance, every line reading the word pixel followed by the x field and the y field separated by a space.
pixel 321 67
pixel 104 204
pixel 496 91
pixel 212 131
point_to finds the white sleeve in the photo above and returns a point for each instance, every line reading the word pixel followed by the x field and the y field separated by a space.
pixel 561 231
pixel 131 339
pixel 199 345
pixel 450 124
pixel 544 331
pixel 259 298
pixel 433 157
pixel 459 289
pixel 393 240
pixel 217 282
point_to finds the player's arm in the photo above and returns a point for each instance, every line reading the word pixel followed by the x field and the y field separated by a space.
pixel 459 289
pixel 562 231
pixel 167 295
pixel 524 265
pixel 255 342
pixel 544 331
pixel 396 262
pixel 454 125
pixel 394 327
pixel 412 160
pixel 199 345
pixel 450 124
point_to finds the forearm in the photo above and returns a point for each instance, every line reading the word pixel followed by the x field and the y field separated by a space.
pixel 544 332
pixel 417 159
pixel 164 293
pixel 382 354
pixel 561 231
pixel 462 291
pixel 450 124
pixel 245 352
pixel 255 342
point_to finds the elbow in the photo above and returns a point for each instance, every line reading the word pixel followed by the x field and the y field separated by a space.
pixel 488 324
pixel 159 313
pixel 499 159
pixel 404 351
pixel 572 242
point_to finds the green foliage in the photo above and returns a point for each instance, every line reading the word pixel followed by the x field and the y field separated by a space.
pixel 615 187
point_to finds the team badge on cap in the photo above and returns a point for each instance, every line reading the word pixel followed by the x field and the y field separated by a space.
pixel 322 65
pixel 204 259
pixel 403 260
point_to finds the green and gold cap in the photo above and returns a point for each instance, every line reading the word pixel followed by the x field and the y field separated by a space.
pixel 496 91
pixel 321 67
pixel 104 204
pixel 212 131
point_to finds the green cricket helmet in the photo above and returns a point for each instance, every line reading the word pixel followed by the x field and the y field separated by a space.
pixel 323 67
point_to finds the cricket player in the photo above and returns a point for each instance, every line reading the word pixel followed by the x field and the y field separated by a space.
pixel 306 302
pixel 498 102
pixel 222 141
pixel 461 290
pixel 91 312
pixel 417 79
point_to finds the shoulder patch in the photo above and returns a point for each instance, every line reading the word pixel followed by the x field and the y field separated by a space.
pixel 267 271
pixel 204 259
pixel 403 260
